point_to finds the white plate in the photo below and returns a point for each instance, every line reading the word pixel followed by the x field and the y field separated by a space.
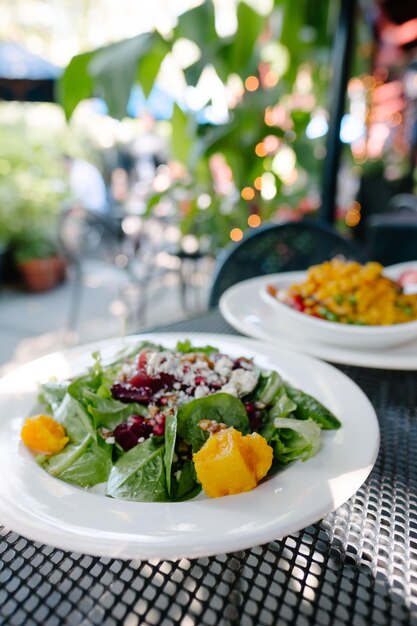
pixel 395 271
pixel 243 308
pixel 50 511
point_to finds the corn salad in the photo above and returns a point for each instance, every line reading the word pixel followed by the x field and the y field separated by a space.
pixel 350 293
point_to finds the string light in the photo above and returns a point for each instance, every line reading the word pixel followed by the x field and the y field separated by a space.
pixel 236 234
pixel 271 79
pixel 353 216
pixel 269 116
pixel 260 150
pixel 258 183
pixel 254 221
pixel 247 193
pixel 251 83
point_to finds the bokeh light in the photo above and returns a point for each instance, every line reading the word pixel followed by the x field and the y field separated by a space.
pixel 247 193
pixel 236 234
pixel 254 221
pixel 251 83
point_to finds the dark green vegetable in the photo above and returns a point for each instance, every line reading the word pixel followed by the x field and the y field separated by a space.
pixel 294 439
pixel 52 394
pixel 108 413
pixel 75 419
pixel 220 407
pixel 188 487
pixel 139 474
pixel 86 464
pixel 310 408
pixel 170 438
pixel 186 346
pixel 282 407
pixel 268 388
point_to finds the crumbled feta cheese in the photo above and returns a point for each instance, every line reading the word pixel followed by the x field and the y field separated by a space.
pixel 223 366
pixel 242 381
pixel 110 440
pixel 230 389
pixel 201 391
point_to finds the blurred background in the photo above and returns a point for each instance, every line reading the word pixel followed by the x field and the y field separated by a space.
pixel 137 140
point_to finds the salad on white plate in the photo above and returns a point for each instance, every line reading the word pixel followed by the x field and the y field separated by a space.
pixel 159 424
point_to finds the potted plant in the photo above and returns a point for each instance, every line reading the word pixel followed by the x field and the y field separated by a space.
pixel 36 257
pixel 33 188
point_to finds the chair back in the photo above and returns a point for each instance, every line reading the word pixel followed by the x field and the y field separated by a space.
pixel 275 248
pixel 391 237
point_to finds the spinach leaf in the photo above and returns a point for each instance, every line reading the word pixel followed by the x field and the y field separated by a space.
pixel 186 346
pixel 80 385
pixel 170 437
pixel 139 474
pixel 267 388
pixel 295 439
pixel 221 407
pixel 53 393
pixel 282 407
pixel 75 419
pixel 310 408
pixel 188 487
pixel 108 413
pixel 85 464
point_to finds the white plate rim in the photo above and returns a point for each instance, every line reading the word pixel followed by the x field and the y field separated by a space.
pixel 58 532
pixel 250 303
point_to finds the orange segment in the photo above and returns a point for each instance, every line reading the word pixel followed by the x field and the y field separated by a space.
pixel 43 434
pixel 231 463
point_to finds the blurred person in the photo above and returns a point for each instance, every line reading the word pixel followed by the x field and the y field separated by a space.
pixel 87 185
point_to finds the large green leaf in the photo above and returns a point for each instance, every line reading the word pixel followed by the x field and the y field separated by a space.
pixel 150 63
pixel 181 140
pixel 198 24
pixel 114 70
pixel 75 84
pixel 239 55
pixel 110 73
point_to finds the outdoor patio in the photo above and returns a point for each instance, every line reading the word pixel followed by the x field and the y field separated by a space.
pixel 32 325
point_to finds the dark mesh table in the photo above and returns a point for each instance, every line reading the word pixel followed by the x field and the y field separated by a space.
pixel 357 566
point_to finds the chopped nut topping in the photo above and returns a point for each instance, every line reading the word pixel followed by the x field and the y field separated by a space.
pixel 153 410
pixel 211 426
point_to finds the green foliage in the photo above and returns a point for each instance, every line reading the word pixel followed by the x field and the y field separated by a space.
pixel 33 182
pixel 114 70
pixel 292 42
pixel 181 139
pixel 70 89
pixel 31 245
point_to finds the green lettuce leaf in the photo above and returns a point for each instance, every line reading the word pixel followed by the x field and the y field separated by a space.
pixel 295 439
pixel 310 408
pixel 139 474
pixel 85 464
pixel 221 407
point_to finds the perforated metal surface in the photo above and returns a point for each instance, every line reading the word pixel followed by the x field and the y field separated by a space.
pixel 357 566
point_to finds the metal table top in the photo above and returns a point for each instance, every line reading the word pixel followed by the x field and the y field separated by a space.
pixel 357 566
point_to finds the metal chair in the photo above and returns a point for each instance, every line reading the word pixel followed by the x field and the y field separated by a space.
pixel 87 235
pixel 391 237
pixel 279 248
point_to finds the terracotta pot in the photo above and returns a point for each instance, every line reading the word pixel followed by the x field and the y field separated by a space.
pixel 60 268
pixel 39 274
